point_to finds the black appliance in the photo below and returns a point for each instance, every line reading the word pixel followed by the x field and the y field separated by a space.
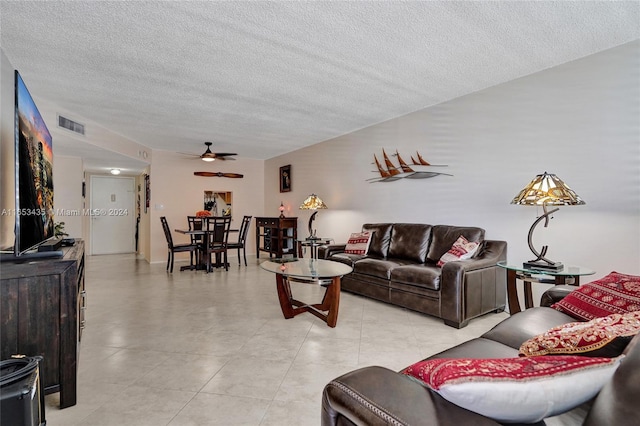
pixel 21 396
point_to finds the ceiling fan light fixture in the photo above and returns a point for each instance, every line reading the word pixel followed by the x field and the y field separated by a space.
pixel 208 156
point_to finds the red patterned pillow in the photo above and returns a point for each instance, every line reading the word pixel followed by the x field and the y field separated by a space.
pixel 516 389
pixel 606 336
pixel 358 243
pixel 462 249
pixel 614 294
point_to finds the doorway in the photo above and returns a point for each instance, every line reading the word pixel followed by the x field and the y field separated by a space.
pixel 112 215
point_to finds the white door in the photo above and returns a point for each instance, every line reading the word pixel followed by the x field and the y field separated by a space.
pixel 112 215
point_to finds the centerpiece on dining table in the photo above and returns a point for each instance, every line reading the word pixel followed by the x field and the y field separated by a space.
pixel 203 213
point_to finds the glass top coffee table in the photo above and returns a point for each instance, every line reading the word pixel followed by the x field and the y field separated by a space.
pixel 321 272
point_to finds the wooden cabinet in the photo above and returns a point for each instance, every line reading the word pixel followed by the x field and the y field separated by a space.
pixel 42 305
pixel 276 236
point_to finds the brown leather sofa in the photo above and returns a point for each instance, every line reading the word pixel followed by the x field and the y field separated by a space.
pixel 378 396
pixel 400 268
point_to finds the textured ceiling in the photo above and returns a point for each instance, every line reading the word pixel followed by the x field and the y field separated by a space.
pixel 265 78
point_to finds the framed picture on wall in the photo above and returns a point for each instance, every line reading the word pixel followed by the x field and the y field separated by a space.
pixel 285 178
pixel 147 193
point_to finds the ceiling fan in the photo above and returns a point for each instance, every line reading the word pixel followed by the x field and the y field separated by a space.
pixel 212 156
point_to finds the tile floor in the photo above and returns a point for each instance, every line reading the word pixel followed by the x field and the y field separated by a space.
pixel 191 348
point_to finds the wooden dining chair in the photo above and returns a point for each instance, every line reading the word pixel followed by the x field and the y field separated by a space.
pixel 195 224
pixel 216 240
pixel 242 238
pixel 177 248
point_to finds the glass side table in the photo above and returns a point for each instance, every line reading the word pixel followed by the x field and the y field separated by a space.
pixel 567 275
pixel 313 244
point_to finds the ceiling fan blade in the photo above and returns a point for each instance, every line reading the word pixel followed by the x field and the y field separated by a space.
pixel 219 174
pixel 189 154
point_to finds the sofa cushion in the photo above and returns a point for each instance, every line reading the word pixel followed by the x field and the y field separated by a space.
pixel 617 402
pixel 462 249
pixel 376 267
pixel 600 337
pixel 380 237
pixel 516 389
pixel 417 275
pixel 614 294
pixel 443 237
pixel 347 258
pixel 410 241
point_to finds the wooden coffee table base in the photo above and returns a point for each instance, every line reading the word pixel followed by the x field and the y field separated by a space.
pixel 292 307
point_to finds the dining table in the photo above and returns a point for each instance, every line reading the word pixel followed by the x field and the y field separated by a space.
pixel 202 264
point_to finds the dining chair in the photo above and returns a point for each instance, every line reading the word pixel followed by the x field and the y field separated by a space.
pixel 195 224
pixel 242 237
pixel 177 248
pixel 216 240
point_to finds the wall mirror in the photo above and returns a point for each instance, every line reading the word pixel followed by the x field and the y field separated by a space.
pixel 218 203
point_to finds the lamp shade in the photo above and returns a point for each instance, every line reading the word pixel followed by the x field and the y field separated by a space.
pixel 313 202
pixel 547 189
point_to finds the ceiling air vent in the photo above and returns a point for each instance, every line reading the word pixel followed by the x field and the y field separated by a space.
pixel 65 123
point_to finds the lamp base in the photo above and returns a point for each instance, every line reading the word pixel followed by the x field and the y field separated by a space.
pixel 542 265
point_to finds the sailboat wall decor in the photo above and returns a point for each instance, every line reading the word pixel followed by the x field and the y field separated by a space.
pixel 418 169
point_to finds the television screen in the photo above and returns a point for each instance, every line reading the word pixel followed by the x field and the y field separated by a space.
pixel 34 173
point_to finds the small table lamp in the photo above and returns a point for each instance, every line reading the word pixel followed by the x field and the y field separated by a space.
pixel 313 202
pixel 545 190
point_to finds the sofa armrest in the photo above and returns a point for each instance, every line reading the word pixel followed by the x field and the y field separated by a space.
pixel 555 294
pixel 617 402
pixel 485 279
pixel 375 396
pixel 492 253
pixel 328 250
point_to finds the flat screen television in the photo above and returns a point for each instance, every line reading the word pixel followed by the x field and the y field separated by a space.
pixel 34 173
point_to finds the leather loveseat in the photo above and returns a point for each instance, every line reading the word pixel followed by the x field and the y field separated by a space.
pixel 400 267
pixel 375 395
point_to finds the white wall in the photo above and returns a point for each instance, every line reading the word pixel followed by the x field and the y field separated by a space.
pixel 580 121
pixel 176 193
pixel 67 191
pixel 95 134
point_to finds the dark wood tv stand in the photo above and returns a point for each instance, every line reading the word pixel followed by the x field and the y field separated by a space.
pixel 42 303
